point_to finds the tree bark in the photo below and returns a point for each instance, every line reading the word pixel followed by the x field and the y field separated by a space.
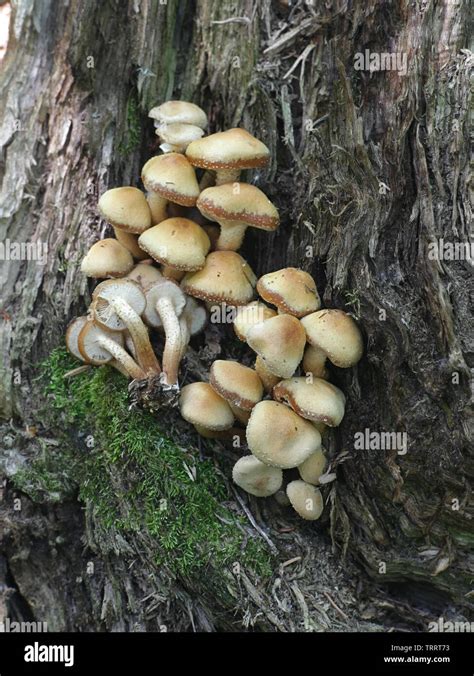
pixel 368 169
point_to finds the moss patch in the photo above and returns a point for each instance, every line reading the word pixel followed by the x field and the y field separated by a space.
pixel 135 477
pixel 133 131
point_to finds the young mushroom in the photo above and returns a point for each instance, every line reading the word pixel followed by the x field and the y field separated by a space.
pixel 256 478
pixel 117 305
pixel 314 361
pixel 318 400
pixel 107 258
pixel 177 243
pixel 227 153
pixel 336 334
pixel 172 179
pixel 130 242
pixel 145 275
pixel 280 342
pixel 248 315
pixel 292 290
pixel 201 406
pixel 239 385
pixel 305 499
pixel 177 124
pixel 313 467
pixel 177 136
pixel 268 378
pixel 126 209
pixel 279 437
pixel 99 346
pixel 235 206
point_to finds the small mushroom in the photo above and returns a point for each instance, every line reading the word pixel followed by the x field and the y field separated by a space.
pixel 117 305
pixel 318 400
pixel 305 499
pixel 313 467
pixel 256 478
pixel 178 123
pixel 280 342
pixel 248 315
pixel 72 336
pixel 236 206
pixel 130 242
pixel 239 385
pixel 314 361
pixel 107 258
pixel 227 153
pixel 178 243
pixel 177 136
pixel 279 437
pixel 99 346
pixel 145 275
pixel 225 278
pixel 172 179
pixel 126 209
pixel 292 290
pixel 201 406
pixel 335 333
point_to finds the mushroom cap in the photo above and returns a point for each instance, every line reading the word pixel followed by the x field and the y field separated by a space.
pixel 292 290
pixel 238 202
pixel 231 149
pixel 72 336
pixel 268 378
pixel 178 133
pixel 145 275
pixel 201 405
pixel 184 112
pixel 177 242
pixel 195 315
pixel 225 278
pixel 107 258
pixel 238 384
pixel 130 242
pixel 312 468
pixel 256 478
pixel 279 437
pixel 314 361
pixel 337 334
pixel 280 342
pixel 160 289
pixel 126 209
pixel 305 499
pixel 250 314
pixel 126 289
pixel 88 343
pixel 318 401
pixel 172 177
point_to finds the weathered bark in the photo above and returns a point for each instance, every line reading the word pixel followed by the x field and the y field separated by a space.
pixel 367 170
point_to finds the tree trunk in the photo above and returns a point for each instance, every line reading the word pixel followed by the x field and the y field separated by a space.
pixel 368 170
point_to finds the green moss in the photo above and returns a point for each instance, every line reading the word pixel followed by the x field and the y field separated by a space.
pixel 135 477
pixel 133 132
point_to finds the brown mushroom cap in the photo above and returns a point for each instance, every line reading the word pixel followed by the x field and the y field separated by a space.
pixel 337 334
pixel 292 290
pixel 305 499
pixel 312 468
pixel 177 242
pixel 280 342
pixel 183 112
pixel 225 278
pixel 107 258
pixel 231 149
pixel 125 208
pixel 250 314
pixel 279 437
pixel 238 384
pixel 172 177
pixel 72 336
pixel 256 478
pixel 238 202
pixel 318 400
pixel 201 405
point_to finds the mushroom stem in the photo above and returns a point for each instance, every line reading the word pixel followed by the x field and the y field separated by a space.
pixel 138 331
pixel 241 414
pixel 268 378
pixel 172 273
pixel 158 207
pixel 207 180
pixel 185 335
pixel 231 236
pixel 227 176
pixel 173 343
pixel 122 360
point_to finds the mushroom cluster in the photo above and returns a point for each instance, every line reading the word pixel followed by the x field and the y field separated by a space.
pixel 170 262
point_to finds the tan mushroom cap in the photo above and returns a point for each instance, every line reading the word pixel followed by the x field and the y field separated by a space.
pixel 337 334
pixel 318 400
pixel 145 275
pixel 72 336
pixel 125 289
pixel 172 177
pixel 225 278
pixel 292 290
pixel 256 478
pixel 231 149
pixel 200 405
pixel 280 342
pixel 238 202
pixel 305 499
pixel 89 343
pixel 268 378
pixel 314 361
pixel 107 258
pixel 177 242
pixel 313 467
pixel 183 112
pixel 250 314
pixel 178 134
pixel 279 437
pixel 238 384
pixel 130 242
pixel 126 209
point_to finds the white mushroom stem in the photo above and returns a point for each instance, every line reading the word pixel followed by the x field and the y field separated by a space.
pixel 185 335
pixel 139 334
pixel 227 176
pixel 173 343
pixel 121 359
pixel 231 235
